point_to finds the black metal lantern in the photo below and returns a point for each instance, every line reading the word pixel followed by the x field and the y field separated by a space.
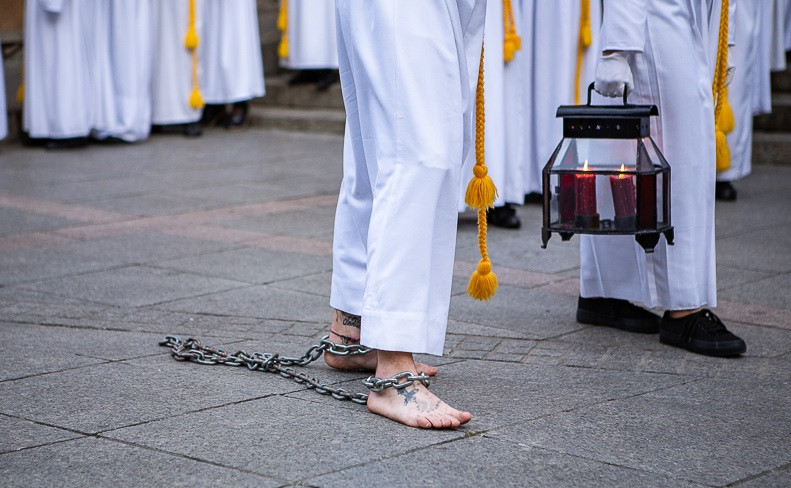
pixel 607 176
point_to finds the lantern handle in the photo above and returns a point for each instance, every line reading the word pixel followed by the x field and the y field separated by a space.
pixel 590 90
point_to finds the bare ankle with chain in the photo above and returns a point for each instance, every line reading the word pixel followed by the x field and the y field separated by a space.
pixel 351 325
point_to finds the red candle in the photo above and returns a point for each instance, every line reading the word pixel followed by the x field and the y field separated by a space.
pixel 624 198
pixel 566 198
pixel 647 184
pixel 585 214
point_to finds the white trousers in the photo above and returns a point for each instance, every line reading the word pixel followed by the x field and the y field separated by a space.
pixel 408 70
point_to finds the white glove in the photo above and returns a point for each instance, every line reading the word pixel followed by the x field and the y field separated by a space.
pixel 612 74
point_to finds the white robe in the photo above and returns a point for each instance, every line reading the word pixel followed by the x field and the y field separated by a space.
pixel 554 28
pixel 312 41
pixel 505 172
pixel 171 73
pixel 122 70
pixel 230 51
pixel 408 86
pixel 671 70
pixel 3 110
pixel 57 68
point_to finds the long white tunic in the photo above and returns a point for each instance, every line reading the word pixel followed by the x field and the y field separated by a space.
pixel 408 73
pixel 554 27
pixel 57 68
pixel 171 75
pixel 3 112
pixel 230 51
pixel 670 69
pixel 312 41
pixel 122 69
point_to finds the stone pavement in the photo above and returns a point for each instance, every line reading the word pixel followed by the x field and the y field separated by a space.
pixel 227 238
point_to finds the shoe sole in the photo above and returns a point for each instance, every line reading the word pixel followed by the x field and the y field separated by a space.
pixel 638 326
pixel 729 350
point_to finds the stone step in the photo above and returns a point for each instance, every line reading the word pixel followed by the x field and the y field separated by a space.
pixel 328 121
pixel 771 148
pixel 780 118
pixel 280 94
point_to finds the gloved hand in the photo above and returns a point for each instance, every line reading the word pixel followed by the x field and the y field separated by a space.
pixel 612 74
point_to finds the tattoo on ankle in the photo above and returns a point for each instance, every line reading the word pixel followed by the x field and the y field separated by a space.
pixel 346 339
pixel 351 320
pixel 409 396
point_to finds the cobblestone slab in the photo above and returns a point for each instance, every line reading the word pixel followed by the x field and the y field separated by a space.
pixel 21 434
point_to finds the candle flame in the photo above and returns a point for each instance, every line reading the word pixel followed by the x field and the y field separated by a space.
pixel 623 168
pixel 585 166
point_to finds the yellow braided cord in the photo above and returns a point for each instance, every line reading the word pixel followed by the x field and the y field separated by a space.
pixel 191 42
pixel 282 26
pixel 585 40
pixel 718 91
pixel 511 40
pixel 481 193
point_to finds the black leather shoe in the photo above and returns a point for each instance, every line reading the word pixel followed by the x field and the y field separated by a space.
pixel 616 313
pixel 192 129
pixel 238 118
pixel 327 79
pixel 534 198
pixel 504 217
pixel 212 115
pixel 701 332
pixel 69 143
pixel 305 76
pixel 725 191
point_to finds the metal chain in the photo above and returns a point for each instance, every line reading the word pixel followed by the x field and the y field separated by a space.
pixel 193 350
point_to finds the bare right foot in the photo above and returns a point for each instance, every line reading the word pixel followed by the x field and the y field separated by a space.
pixel 414 405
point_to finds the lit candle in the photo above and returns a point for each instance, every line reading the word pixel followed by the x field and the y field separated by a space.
pixel 585 214
pixel 646 188
pixel 624 199
pixel 567 198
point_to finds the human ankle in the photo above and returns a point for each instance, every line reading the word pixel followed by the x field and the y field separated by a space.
pixel 393 362
pixel 345 327
pixel 680 314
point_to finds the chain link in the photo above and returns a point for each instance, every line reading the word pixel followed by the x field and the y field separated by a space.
pixel 192 350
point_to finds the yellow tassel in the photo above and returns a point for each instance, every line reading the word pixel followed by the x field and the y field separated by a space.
pixel 480 195
pixel 20 93
pixel 196 99
pixel 511 40
pixel 583 43
pixel 191 39
pixel 723 152
pixel 727 121
pixel 282 26
pixel 483 282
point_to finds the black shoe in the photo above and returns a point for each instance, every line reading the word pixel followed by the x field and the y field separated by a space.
pixel 305 76
pixel 701 332
pixel 620 314
pixel 534 198
pixel 237 118
pixel 69 143
pixel 192 129
pixel 725 191
pixel 504 216
pixel 327 79
pixel 212 115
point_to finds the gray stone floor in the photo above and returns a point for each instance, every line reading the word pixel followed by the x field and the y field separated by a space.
pixel 227 238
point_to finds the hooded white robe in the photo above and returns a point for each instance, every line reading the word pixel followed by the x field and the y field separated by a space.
pixel 670 65
pixel 171 73
pixel 122 70
pixel 554 29
pixel 408 74
pixel 230 51
pixel 58 85
pixel 312 42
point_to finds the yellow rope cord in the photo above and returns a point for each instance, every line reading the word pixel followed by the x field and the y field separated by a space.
pixel 480 195
pixel 282 26
pixel 191 43
pixel 718 91
pixel 584 42
pixel 511 40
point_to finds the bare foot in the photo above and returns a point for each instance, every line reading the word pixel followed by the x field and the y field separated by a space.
pixel 345 330
pixel 414 405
